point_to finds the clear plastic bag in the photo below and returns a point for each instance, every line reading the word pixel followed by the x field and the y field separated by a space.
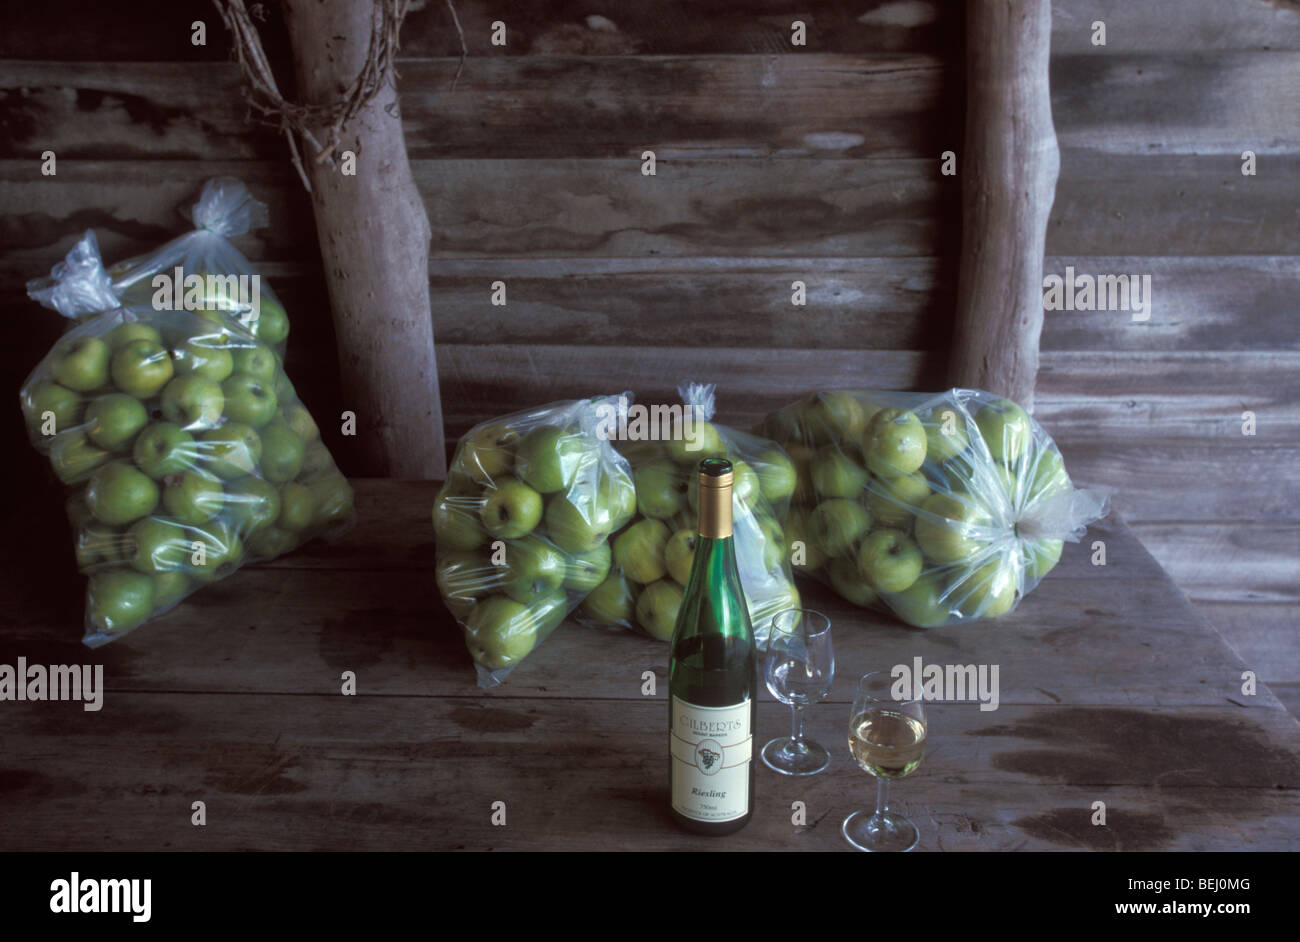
pixel 216 280
pixel 940 508
pixel 653 554
pixel 185 449
pixel 522 527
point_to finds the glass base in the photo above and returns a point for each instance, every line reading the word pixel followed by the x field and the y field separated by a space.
pixel 884 833
pixel 781 755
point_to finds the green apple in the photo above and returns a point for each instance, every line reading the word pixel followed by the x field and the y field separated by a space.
pixel 657 607
pixel 316 459
pixel 60 403
pixel 848 582
pixel 456 522
pixel 773 540
pixel 893 501
pixel 257 361
pixel 835 416
pixel 299 419
pixel 836 525
pixel 679 555
pixel 639 550
pixel 98 546
pixel 512 509
pixel 1005 428
pixel 193 402
pixel 74 456
pixel 156 544
pixel 119 493
pixel 487 452
pixel 249 399
pixel 141 368
pixel 81 363
pixel 252 503
pixel 114 419
pixel 613 602
pixel 295 507
pixel 231 450
pixel 776 475
pixel 550 458
pixel 577 529
pixel 835 474
pixel 164 448
pixel 894 443
pixel 222 551
pixel 804 554
pixel 549 610
pixel 889 560
pixel 987 592
pixel 283 388
pixel 801 456
pixel 168 589
pixel 272 323
pixel 921 604
pixel 702 442
pixel 534 568
pixel 1040 556
pixel 193 497
pixel 123 334
pixel 272 541
pixel 660 489
pixel 945 433
pixel 331 500
pixel 119 600
pixel 462 578
pixel 205 355
pixel 1047 474
pixel 282 453
pixel 618 495
pixel 501 632
pixel 949 528
pixel 584 571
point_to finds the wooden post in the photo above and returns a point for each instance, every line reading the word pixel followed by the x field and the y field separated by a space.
pixel 374 240
pixel 1009 172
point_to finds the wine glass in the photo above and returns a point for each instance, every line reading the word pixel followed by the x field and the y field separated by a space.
pixel 887 739
pixel 799 667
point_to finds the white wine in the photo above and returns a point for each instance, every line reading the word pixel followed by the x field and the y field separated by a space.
pixel 712 677
pixel 887 743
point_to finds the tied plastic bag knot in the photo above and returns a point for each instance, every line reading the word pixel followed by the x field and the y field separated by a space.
pixel 1063 516
pixel 700 399
pixel 226 208
pixel 78 285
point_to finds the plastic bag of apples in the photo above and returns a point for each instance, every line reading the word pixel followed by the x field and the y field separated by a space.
pixel 522 525
pixel 653 553
pixel 185 449
pixel 202 271
pixel 940 508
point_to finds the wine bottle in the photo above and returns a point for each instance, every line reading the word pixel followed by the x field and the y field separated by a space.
pixel 712 676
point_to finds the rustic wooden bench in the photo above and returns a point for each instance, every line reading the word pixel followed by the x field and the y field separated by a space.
pixel 1112 689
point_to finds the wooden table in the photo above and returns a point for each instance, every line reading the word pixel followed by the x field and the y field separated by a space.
pixel 1112 689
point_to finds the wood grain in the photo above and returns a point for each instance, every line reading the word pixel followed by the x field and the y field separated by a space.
pixel 1240 560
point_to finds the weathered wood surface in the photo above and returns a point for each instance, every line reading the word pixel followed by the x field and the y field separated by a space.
pixel 1112 689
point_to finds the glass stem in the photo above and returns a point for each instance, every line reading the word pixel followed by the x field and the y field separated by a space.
pixel 796 728
pixel 882 796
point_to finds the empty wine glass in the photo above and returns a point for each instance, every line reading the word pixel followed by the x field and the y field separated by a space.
pixel 887 739
pixel 799 667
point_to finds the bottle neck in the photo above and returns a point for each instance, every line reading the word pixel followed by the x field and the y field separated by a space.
pixel 715 512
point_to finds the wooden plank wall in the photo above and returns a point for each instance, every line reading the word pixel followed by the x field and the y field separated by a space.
pixel 774 164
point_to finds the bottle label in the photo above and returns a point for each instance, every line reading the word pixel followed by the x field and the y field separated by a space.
pixel 711 751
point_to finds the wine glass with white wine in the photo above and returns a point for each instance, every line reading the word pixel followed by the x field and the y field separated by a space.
pixel 887 739
pixel 799 667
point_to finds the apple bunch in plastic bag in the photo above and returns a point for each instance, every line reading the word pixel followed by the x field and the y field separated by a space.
pixel 653 553
pixel 522 527
pixel 938 508
pixel 187 452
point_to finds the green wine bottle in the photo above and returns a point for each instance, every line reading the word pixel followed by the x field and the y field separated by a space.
pixel 712 676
